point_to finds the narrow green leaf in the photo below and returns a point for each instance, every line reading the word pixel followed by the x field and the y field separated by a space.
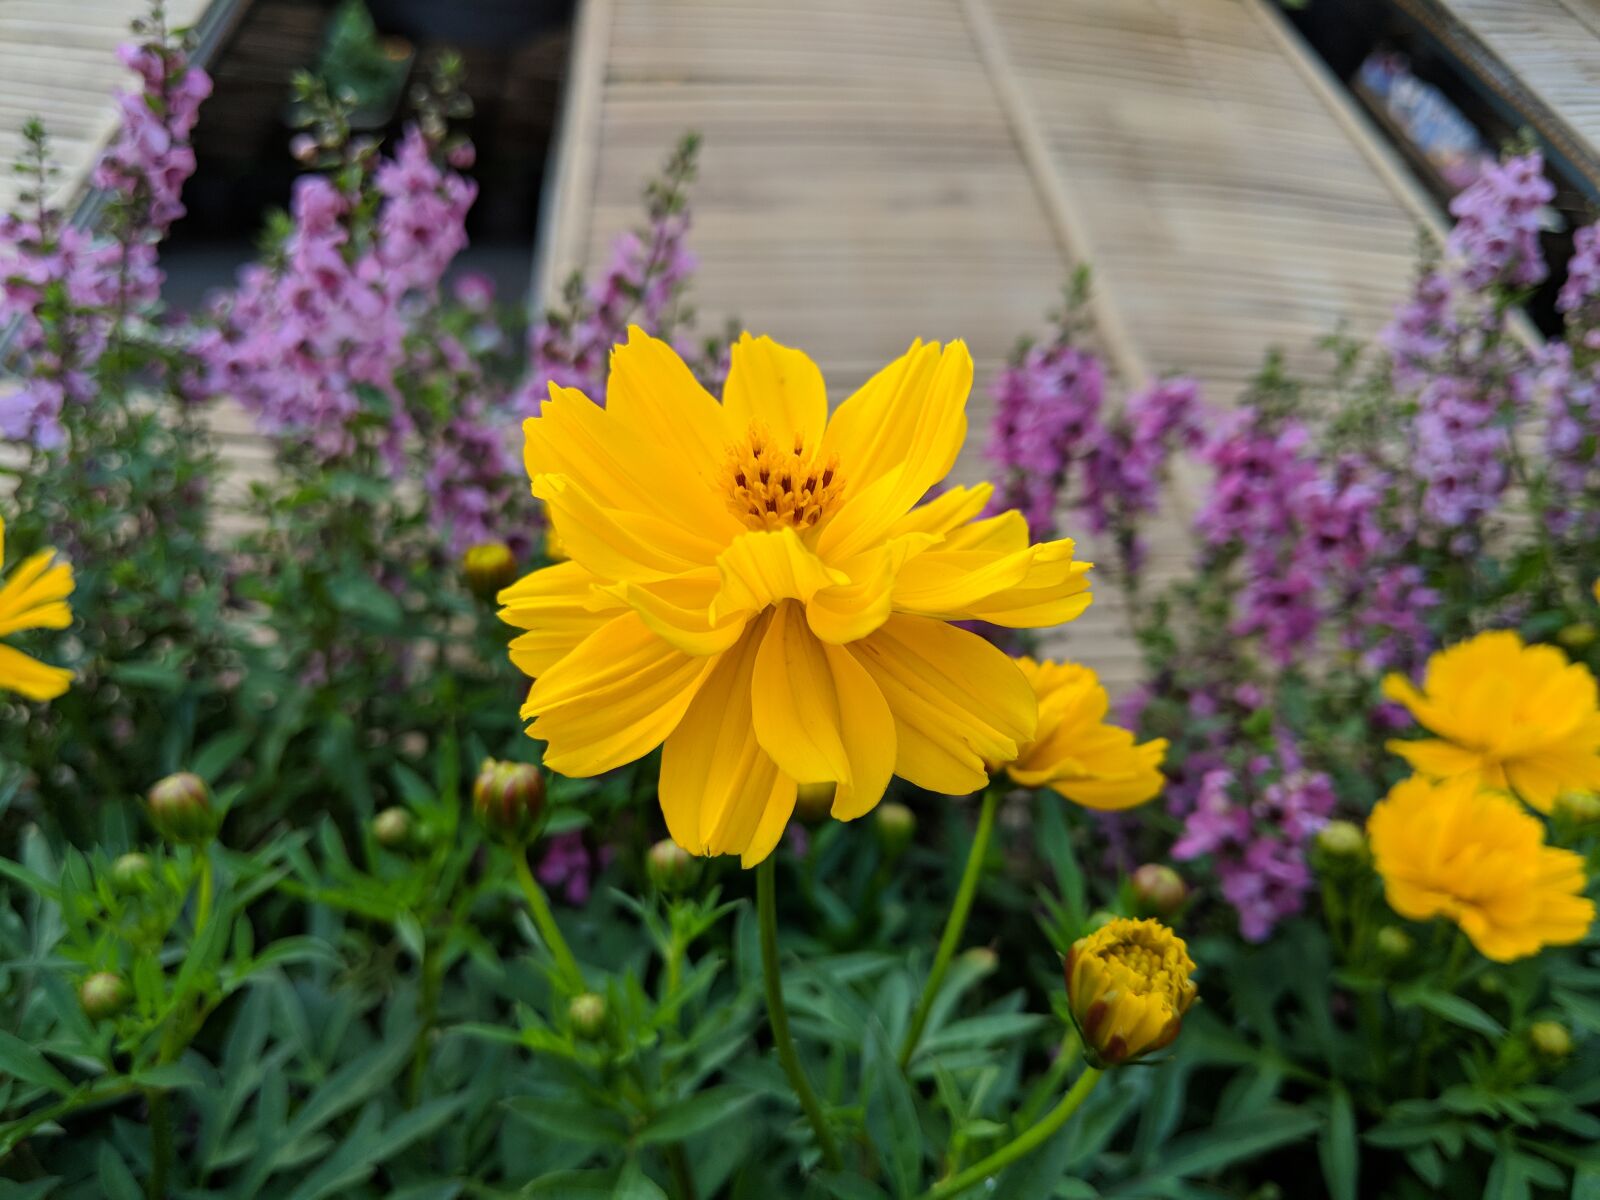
pixel 699 1112
pixel 572 1119
pixel 116 1181
pixel 1338 1148
pixel 22 1061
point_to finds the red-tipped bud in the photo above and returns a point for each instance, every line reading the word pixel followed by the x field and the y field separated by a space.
pixel 180 809
pixel 508 798
pixel 1159 890
pixel 103 995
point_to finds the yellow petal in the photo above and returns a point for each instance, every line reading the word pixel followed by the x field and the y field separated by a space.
pixel 653 394
pixel 844 612
pixel 619 545
pixel 778 387
pixel 819 715
pixel 762 567
pixel 29 677
pixel 956 700
pixel 679 612
pixel 951 508
pixel 1437 759
pixel 32 597
pixel 559 606
pixel 720 792
pixel 896 438
pixel 613 699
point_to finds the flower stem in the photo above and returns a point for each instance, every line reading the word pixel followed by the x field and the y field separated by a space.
pixel 682 1179
pixel 160 1143
pixel 545 921
pixel 202 902
pixel 956 923
pixel 1024 1144
pixel 778 1016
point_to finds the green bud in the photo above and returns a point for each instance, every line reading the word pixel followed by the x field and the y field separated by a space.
pixel 508 798
pixel 1341 839
pixel 587 1012
pixel 132 872
pixel 1159 889
pixel 1395 943
pixel 488 568
pixel 103 995
pixel 671 868
pixel 896 825
pixel 1577 808
pixel 392 828
pixel 814 801
pixel 1577 635
pixel 1099 919
pixel 1550 1040
pixel 180 809
pixel 980 959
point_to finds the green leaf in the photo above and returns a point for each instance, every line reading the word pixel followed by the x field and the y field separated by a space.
pixel 116 1181
pixel 634 1184
pixel 982 1031
pixel 574 1185
pixel 1586 1184
pixel 22 1061
pixel 220 753
pixel 1458 1011
pixel 891 1111
pixel 589 1124
pixel 1206 1151
pixel 1338 1149
pixel 686 1118
pixel 849 1187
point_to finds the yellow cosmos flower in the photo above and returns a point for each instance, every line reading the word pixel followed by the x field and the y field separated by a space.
pixel 1507 715
pixel 1128 987
pixel 1479 858
pixel 1074 752
pixel 34 597
pixel 756 587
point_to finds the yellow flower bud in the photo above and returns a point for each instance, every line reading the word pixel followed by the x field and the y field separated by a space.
pixel 508 798
pixel 103 995
pixel 180 809
pixel 1395 943
pixel 132 872
pixel 1341 839
pixel 1578 808
pixel 813 801
pixel 1577 635
pixel 1128 987
pixel 488 568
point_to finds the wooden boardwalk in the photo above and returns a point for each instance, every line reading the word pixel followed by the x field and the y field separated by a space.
pixel 876 171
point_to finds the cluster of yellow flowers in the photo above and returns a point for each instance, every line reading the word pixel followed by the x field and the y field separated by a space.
pixel 1512 721
pixel 34 597
pixel 759 589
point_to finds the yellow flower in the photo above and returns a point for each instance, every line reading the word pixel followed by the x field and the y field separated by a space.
pixel 1507 715
pixel 35 597
pixel 1128 986
pixel 756 586
pixel 1456 850
pixel 1074 752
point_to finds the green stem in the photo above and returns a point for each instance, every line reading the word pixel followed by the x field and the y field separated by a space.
pixel 202 903
pixel 956 923
pixel 427 1013
pixel 160 1144
pixel 778 1016
pixel 545 921
pixel 1024 1144
pixel 1040 1094
pixel 682 1178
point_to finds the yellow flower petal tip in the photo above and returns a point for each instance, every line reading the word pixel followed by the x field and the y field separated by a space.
pixel 1479 859
pixel 758 587
pixel 1506 715
pixel 34 596
pixel 1074 751
pixel 1129 984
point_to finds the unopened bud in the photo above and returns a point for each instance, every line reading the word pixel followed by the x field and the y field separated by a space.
pixel 587 1012
pixel 180 809
pixel 1576 636
pixel 508 798
pixel 1341 839
pixel 1159 889
pixel 896 825
pixel 488 568
pixel 132 872
pixel 671 868
pixel 1577 808
pixel 1099 919
pixel 813 801
pixel 980 959
pixel 392 828
pixel 1395 943
pixel 103 995
pixel 1550 1040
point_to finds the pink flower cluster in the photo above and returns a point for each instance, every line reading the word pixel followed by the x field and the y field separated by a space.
pixel 314 343
pixel 1050 432
pixel 1495 241
pixel 66 288
pixel 1255 826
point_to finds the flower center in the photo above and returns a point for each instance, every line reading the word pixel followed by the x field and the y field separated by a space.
pixel 771 486
pixel 1148 971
